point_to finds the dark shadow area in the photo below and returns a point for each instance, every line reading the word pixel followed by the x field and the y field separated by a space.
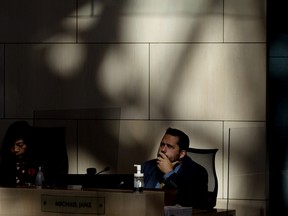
pixel 49 149
pixel 277 106
pixel 32 15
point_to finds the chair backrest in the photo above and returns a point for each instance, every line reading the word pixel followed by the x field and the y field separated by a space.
pixel 206 158
pixel 50 151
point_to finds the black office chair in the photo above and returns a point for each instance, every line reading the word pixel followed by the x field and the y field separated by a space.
pixel 206 158
pixel 50 151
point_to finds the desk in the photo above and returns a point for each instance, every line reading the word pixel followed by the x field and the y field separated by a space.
pixel 60 202
pixel 63 202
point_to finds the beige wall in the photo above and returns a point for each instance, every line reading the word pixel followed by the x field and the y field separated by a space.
pixel 118 73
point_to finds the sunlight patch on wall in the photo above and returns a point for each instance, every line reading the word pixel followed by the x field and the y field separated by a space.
pixel 65 60
pixel 122 75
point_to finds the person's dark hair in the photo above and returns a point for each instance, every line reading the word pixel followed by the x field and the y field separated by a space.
pixel 17 130
pixel 183 138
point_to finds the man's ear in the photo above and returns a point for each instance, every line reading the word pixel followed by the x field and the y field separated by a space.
pixel 182 154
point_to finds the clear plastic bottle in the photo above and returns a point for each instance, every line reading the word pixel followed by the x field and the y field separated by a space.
pixel 39 178
pixel 138 179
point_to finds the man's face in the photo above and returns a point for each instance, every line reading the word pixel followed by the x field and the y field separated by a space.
pixel 170 148
pixel 19 148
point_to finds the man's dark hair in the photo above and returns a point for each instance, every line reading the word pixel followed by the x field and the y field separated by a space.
pixel 183 138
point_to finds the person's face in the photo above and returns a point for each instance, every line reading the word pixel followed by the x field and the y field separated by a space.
pixel 19 148
pixel 170 148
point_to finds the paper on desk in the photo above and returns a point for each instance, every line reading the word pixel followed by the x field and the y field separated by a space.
pixel 177 210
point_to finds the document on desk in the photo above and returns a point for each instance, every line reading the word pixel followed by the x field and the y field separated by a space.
pixel 72 204
pixel 177 210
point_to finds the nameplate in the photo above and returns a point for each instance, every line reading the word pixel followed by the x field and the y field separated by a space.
pixel 73 204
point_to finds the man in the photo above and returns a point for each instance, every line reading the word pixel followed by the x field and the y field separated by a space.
pixel 174 170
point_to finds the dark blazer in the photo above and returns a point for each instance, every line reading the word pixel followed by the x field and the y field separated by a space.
pixel 190 182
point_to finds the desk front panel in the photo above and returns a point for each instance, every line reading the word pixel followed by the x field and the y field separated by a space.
pixel 51 202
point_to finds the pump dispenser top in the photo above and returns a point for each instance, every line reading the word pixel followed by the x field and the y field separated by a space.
pixel 138 173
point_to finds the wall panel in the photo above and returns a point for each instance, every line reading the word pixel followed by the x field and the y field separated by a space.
pixel 208 81
pixel 69 76
pixel 38 21
pixel 148 21
pixel 98 145
pixel 245 175
pixel 245 21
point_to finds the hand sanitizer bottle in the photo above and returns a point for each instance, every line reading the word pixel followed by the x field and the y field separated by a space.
pixel 138 179
pixel 39 178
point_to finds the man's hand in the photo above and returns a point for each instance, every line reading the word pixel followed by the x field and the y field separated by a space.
pixel 164 164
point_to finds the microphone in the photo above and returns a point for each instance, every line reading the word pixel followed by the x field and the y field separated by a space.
pixel 104 170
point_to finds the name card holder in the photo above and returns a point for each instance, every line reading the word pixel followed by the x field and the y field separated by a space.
pixel 73 204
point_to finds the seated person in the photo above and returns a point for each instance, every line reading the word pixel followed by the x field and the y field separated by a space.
pixel 25 148
pixel 16 164
pixel 174 170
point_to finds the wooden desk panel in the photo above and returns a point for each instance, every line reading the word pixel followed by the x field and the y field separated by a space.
pixel 27 202
pixel 30 202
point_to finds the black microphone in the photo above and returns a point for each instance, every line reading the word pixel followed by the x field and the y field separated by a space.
pixel 104 170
